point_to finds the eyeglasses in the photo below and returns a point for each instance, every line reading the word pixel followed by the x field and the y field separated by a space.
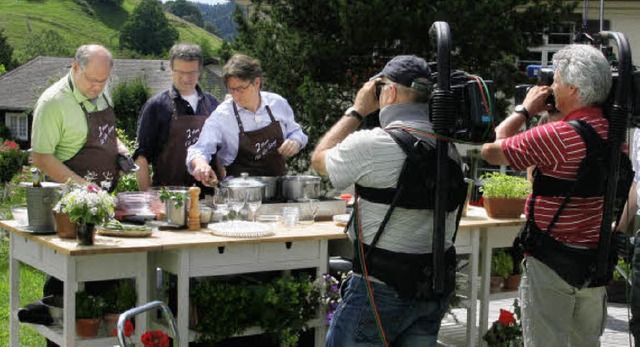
pixel 240 89
pixel 92 80
pixel 379 86
pixel 187 73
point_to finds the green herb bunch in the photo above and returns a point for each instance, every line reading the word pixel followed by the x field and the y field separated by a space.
pixel 88 306
pixel 501 263
pixel 499 185
pixel 178 198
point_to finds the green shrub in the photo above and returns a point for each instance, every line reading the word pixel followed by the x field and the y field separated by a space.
pixel 88 306
pixel 501 263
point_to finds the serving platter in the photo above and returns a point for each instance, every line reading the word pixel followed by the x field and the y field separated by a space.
pixel 125 230
pixel 242 229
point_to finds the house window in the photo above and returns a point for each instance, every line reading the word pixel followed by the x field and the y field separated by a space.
pixel 18 123
pixel 555 39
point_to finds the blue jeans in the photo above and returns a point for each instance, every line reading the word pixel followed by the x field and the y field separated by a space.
pixel 406 322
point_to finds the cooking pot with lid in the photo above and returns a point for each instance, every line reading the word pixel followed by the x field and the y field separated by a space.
pixel 241 184
pixel 296 188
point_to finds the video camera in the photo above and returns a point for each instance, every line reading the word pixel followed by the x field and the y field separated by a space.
pixel 474 107
pixel 544 76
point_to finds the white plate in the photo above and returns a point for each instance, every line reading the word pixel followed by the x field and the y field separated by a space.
pixel 241 229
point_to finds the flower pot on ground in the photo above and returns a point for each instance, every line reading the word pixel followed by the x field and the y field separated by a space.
pixel 512 282
pixel 88 312
pixel 117 300
pixel 501 266
pixel 618 290
pixel 504 195
pixel 65 228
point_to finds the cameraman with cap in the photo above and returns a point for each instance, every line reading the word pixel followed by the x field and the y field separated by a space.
pixel 562 303
pixel 388 299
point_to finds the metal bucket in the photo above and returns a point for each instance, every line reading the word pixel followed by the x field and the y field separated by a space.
pixel 176 214
pixel 40 203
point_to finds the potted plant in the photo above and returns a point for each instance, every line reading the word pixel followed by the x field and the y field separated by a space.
pixel 118 299
pixel 504 195
pixel 501 267
pixel 175 205
pixel 507 330
pixel 88 312
pixel 513 280
pixel 87 206
pixel 617 287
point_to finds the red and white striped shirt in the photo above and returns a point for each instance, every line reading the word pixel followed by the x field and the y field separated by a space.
pixel 557 150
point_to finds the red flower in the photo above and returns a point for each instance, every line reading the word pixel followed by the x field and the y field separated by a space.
pixel 156 338
pixel 128 329
pixel 93 188
pixel 10 145
pixel 506 318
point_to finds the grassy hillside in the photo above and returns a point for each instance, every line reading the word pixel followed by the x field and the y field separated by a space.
pixel 21 18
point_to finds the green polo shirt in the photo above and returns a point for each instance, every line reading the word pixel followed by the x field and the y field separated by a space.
pixel 59 124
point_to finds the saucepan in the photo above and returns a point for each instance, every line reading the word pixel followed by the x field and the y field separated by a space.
pixel 295 188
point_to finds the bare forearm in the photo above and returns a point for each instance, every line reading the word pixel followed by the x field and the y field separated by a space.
pixel 510 126
pixel 345 126
pixel 142 175
pixel 55 169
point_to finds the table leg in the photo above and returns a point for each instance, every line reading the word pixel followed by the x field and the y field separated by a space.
pixel 14 295
pixel 183 299
pixel 472 310
pixel 485 264
pixel 69 302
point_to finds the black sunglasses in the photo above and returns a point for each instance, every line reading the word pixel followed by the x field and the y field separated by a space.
pixel 379 86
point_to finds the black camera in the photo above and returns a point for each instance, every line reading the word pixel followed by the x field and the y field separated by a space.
pixel 474 107
pixel 126 164
pixel 544 76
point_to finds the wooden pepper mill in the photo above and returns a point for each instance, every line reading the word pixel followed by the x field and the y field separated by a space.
pixel 194 209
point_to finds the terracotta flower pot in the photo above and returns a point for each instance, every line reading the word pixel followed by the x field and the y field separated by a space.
pixel 504 207
pixel 65 228
pixel 495 283
pixel 512 282
pixel 88 327
pixel 111 323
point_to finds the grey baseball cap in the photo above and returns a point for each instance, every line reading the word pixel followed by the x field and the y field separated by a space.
pixel 405 70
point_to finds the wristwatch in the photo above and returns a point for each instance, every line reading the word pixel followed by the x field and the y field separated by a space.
pixel 351 112
pixel 522 110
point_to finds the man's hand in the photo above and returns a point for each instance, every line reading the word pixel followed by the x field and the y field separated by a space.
pixel 204 173
pixel 289 148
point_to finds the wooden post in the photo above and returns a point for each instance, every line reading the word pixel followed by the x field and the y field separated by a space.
pixel 194 209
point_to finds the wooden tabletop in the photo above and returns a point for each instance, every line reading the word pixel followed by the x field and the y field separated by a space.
pixel 177 239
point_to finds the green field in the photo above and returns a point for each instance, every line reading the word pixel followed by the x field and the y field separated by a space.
pixel 21 18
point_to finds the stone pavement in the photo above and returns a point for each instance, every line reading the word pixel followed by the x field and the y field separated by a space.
pixel 616 333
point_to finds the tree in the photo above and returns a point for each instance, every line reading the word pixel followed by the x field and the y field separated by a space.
pixel 6 53
pixel 128 99
pixel 148 31
pixel 185 10
pixel 318 53
pixel 45 43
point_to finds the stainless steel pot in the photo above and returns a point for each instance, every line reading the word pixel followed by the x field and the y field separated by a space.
pixel 296 188
pixel 244 183
pixel 270 190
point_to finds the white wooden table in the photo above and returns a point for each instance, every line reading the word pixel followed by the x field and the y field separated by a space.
pixel 110 258
pixel 478 235
pixel 200 254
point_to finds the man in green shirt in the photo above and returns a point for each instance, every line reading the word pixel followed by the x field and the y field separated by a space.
pixel 73 131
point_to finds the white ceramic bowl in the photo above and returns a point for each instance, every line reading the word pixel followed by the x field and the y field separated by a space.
pixel 20 214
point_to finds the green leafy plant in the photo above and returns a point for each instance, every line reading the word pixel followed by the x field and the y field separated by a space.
pixel 88 306
pixel 121 297
pixel 178 198
pixel 281 307
pixel 626 267
pixel 501 263
pixel 507 330
pixel 499 185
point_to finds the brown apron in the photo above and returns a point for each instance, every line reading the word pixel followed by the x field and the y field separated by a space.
pixel 258 150
pixel 170 169
pixel 99 155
